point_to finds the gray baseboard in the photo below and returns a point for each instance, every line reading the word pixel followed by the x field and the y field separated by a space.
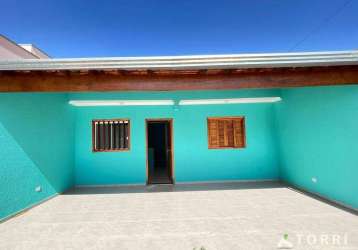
pixel 178 183
pixel 226 181
pixel 112 185
pixel 322 198
pixel 24 210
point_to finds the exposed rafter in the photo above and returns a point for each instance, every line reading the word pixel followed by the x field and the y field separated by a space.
pixel 162 80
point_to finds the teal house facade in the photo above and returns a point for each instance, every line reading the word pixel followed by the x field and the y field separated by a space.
pixel 170 120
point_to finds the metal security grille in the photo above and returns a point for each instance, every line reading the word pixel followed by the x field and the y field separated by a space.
pixel 110 135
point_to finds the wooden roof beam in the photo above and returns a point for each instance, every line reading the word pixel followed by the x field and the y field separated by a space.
pixel 99 80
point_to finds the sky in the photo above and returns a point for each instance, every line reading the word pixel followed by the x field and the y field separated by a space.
pixel 74 28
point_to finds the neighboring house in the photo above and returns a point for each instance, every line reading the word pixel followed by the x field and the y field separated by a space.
pixel 145 120
pixel 12 50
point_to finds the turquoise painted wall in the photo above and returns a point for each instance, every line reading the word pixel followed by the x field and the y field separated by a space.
pixel 36 138
pixel 318 134
pixel 193 160
pixel 312 133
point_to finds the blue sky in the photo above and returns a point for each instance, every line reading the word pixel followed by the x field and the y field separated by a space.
pixel 74 28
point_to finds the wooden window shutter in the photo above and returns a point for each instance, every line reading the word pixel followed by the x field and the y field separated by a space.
pixel 222 134
pixel 226 132
pixel 239 133
pixel 229 133
pixel 213 133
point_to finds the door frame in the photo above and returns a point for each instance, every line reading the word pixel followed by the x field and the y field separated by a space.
pixel 170 120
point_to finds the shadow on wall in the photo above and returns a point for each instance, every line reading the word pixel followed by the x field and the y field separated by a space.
pixel 19 178
pixel 37 148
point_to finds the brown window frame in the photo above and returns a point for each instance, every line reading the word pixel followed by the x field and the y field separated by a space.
pixel 231 118
pixel 95 150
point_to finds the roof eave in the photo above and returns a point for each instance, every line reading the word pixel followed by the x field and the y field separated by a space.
pixel 269 60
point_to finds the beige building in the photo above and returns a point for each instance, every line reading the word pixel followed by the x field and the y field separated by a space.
pixel 11 50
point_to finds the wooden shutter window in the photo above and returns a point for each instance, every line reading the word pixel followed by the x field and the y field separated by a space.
pixel 110 135
pixel 226 132
pixel 213 130
pixel 239 133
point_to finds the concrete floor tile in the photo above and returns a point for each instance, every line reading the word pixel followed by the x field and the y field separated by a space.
pixel 213 216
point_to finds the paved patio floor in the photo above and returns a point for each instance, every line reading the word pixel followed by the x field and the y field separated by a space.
pixel 213 216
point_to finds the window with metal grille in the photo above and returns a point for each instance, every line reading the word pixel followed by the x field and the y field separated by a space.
pixel 226 132
pixel 110 135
